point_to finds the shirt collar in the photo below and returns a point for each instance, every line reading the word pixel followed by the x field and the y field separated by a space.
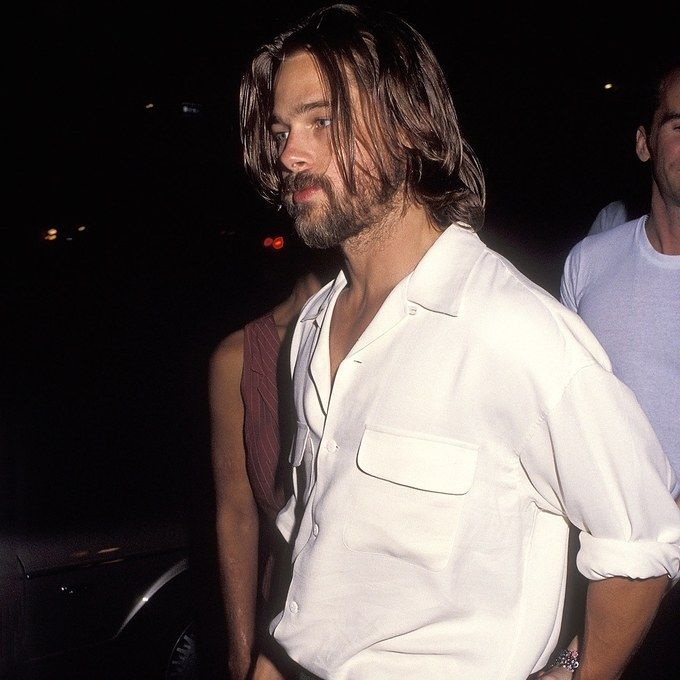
pixel 438 281
pixel 319 303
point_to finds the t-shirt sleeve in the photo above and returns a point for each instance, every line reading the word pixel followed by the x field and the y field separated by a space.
pixel 595 458
pixel 569 280
pixel 610 216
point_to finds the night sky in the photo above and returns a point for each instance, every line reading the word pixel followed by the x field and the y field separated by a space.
pixel 555 145
pixel 111 327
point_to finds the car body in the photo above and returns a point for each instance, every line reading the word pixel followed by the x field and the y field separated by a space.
pixel 97 602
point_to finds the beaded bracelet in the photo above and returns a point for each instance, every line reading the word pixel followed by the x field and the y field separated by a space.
pixel 567 658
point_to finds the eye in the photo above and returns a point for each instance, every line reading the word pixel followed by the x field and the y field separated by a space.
pixel 322 122
pixel 279 139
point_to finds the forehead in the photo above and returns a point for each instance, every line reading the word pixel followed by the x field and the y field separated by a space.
pixel 298 81
pixel 670 98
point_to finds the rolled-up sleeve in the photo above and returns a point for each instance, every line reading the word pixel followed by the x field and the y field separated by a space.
pixel 609 476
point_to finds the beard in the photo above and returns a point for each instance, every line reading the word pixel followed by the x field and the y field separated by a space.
pixel 328 223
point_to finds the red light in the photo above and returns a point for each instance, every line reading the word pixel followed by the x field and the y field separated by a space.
pixel 268 242
pixel 277 243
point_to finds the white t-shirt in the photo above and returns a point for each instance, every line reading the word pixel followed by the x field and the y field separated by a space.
pixel 436 477
pixel 629 295
pixel 611 215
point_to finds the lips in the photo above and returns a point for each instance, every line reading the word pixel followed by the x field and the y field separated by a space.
pixel 305 194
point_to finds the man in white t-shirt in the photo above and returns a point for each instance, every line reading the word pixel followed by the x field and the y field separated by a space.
pixel 625 283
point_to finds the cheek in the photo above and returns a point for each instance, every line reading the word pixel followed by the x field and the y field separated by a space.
pixel 675 147
pixel 671 155
pixel 333 175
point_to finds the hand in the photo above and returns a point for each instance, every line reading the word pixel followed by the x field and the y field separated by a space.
pixel 265 670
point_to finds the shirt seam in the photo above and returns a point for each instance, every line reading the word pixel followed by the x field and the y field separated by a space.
pixel 543 416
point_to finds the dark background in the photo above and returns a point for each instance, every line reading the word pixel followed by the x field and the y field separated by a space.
pixel 108 331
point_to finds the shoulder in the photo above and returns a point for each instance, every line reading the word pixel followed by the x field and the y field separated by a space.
pixel 604 245
pixel 599 253
pixel 612 215
pixel 528 323
pixel 226 360
pixel 505 287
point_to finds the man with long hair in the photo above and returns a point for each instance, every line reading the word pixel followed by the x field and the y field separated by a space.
pixel 452 417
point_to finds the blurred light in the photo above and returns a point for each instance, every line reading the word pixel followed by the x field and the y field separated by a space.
pixel 104 551
pixel 278 243
pixel 268 242
pixel 191 108
pixel 52 232
pixel 149 105
pixel 82 227
pixel 608 86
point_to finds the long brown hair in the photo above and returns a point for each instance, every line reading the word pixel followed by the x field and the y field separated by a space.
pixel 413 136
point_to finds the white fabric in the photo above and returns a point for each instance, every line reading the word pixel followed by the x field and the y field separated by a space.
pixel 629 296
pixel 611 215
pixel 474 415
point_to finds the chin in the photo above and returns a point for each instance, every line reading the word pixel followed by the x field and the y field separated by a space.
pixel 313 238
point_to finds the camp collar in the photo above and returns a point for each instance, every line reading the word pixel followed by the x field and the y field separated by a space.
pixel 438 281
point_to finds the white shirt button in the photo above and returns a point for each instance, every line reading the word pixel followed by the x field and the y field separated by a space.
pixel 315 529
pixel 412 310
pixel 294 607
pixel 331 445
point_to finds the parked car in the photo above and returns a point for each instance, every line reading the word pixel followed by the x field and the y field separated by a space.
pixel 100 602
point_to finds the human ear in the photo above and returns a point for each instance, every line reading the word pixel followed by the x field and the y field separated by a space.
pixel 641 146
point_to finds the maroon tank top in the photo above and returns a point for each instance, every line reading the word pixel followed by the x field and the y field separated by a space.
pixel 259 389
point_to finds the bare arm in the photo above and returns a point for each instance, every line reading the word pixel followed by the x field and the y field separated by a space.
pixel 655 589
pixel 237 519
pixel 619 612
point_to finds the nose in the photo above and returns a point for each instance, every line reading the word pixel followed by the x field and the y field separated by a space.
pixel 296 155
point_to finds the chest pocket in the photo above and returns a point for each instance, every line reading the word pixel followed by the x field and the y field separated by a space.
pixel 410 493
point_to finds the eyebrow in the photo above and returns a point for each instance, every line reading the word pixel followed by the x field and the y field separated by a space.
pixel 301 109
pixel 669 115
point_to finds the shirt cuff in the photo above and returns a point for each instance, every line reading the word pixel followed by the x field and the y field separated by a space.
pixel 601 558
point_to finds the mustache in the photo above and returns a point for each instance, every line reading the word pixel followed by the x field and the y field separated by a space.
pixel 303 180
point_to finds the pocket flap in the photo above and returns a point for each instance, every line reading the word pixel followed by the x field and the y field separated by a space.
pixel 416 460
pixel 297 450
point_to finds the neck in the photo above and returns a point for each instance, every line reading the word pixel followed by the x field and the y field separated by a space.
pixel 377 259
pixel 663 225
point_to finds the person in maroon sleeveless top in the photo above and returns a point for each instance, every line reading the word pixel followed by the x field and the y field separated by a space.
pixel 246 439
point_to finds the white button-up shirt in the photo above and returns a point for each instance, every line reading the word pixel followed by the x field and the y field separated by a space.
pixel 434 483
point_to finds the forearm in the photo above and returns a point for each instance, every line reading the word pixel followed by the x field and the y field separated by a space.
pixel 619 612
pixel 237 538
